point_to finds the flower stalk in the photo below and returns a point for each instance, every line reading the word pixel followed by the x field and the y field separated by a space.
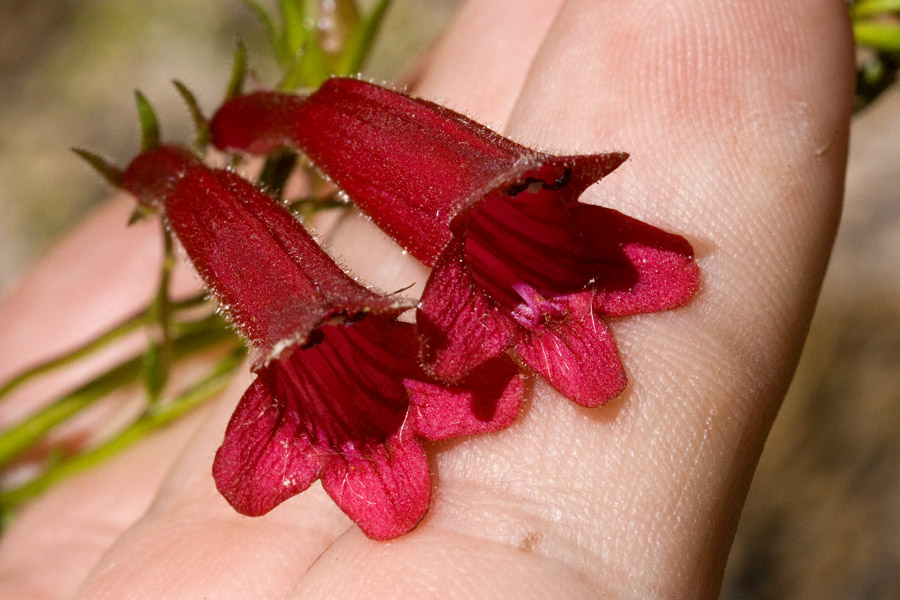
pixel 187 340
pixel 153 418
pixel 158 355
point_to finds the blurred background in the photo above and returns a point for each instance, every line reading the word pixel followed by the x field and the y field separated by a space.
pixel 67 72
pixel 823 516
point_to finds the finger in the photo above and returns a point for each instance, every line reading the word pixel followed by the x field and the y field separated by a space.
pixel 479 65
pixel 751 169
pixel 641 498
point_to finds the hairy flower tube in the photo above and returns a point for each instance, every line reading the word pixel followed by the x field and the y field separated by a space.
pixel 517 261
pixel 339 393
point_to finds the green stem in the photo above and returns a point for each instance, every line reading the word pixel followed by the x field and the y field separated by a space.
pixel 360 43
pixel 153 418
pixel 275 173
pixel 871 8
pixel 307 207
pixel 110 335
pixel 884 37
pixel 158 356
pixel 24 435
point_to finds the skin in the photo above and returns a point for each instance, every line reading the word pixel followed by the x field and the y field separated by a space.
pixel 736 116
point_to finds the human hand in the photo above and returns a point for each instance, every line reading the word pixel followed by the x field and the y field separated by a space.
pixel 736 121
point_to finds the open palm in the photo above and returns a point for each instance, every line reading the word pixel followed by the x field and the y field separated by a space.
pixel 735 116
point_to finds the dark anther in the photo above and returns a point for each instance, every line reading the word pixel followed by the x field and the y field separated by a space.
pixel 559 183
pixel 516 188
pixel 315 338
pixel 356 317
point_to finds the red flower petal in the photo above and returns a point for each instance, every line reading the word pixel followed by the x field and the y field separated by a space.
pixel 266 457
pixel 577 355
pixel 385 491
pixel 347 390
pixel 488 400
pixel 265 270
pixel 389 152
pixel 661 272
pixel 528 233
pixel 459 325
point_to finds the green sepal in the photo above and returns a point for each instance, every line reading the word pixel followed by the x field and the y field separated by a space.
pixel 111 173
pixel 150 133
pixel 360 43
pixel 201 123
pixel 140 213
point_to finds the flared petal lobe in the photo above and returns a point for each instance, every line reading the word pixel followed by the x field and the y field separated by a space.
pixel 458 321
pixel 576 355
pixel 340 409
pixel 337 409
pixel 386 492
pixel 266 457
pixel 488 399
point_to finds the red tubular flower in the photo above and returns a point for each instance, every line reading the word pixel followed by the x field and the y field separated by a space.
pixel 517 260
pixel 339 393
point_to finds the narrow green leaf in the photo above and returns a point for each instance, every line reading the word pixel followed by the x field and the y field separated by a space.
pixel 295 32
pixel 112 334
pixel 150 135
pixel 111 173
pixel 880 36
pixel 24 435
pixel 360 43
pixel 282 55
